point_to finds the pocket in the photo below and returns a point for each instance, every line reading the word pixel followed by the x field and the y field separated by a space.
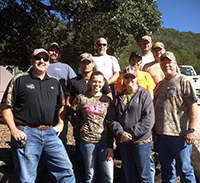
pixel 22 128
pixel 53 131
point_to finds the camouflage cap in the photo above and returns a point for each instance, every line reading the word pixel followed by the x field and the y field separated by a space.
pixel 130 70
pixel 86 56
pixel 148 38
pixel 158 45
pixel 168 55
pixel 40 50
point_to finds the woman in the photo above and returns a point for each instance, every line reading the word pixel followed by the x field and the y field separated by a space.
pixel 131 119
pixel 96 139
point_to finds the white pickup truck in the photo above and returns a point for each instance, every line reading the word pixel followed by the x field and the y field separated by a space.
pixel 189 71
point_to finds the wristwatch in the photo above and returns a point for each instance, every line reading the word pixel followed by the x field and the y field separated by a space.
pixel 191 129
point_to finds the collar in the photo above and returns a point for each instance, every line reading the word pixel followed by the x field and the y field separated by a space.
pixel 34 76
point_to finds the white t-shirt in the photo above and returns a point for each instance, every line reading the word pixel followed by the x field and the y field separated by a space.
pixel 107 64
pixel 146 59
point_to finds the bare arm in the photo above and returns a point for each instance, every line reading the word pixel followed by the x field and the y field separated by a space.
pixel 110 95
pixel 61 117
pixel 69 100
pixel 113 79
pixel 152 94
pixel 190 136
pixel 9 119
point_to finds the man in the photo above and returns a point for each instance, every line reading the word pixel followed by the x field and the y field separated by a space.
pixel 76 86
pixel 63 72
pixel 153 68
pixel 176 117
pixel 105 63
pixel 145 45
pixel 144 79
pixel 29 106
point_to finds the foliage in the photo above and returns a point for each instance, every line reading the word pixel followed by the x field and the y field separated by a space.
pixel 185 46
pixel 74 24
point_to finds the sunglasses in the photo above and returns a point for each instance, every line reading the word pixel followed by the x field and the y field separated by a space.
pixel 102 44
pixel 46 59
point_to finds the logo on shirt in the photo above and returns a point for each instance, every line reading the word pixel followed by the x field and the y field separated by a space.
pixel 30 86
pixel 96 109
pixel 52 87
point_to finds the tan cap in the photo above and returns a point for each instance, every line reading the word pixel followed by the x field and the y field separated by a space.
pixel 168 55
pixel 86 56
pixel 130 70
pixel 158 45
pixel 148 38
pixel 40 50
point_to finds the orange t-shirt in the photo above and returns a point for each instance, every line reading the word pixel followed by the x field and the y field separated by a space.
pixel 144 79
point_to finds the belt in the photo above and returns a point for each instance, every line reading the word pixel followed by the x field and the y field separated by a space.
pixel 41 127
pixel 144 141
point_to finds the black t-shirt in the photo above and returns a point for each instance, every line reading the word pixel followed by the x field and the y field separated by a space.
pixel 34 101
pixel 78 86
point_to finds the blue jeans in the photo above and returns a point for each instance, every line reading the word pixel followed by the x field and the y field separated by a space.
pixel 91 153
pixel 174 150
pixel 136 162
pixel 41 144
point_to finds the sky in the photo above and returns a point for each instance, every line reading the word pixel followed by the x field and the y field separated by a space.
pixel 181 15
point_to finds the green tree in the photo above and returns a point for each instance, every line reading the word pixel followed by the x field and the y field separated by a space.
pixel 75 24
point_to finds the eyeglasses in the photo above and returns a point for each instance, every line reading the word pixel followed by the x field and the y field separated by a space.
pixel 46 59
pixel 102 44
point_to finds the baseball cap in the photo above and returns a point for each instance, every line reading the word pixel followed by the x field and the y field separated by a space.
pixel 148 38
pixel 168 55
pixel 54 44
pixel 158 45
pixel 40 50
pixel 86 56
pixel 130 70
pixel 136 53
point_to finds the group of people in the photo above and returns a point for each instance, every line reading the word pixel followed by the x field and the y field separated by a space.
pixel 150 104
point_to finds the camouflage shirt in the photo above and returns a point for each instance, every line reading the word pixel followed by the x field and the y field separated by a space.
pixel 171 99
pixel 94 110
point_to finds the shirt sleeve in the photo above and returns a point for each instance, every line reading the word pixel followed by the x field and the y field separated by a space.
pixel 10 93
pixel 113 123
pixel 119 87
pixel 76 103
pixel 189 94
pixel 116 67
pixel 68 89
pixel 106 88
pixel 150 82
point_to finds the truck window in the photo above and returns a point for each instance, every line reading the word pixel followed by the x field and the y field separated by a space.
pixel 187 71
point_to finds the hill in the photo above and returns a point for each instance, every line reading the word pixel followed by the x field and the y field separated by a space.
pixel 185 46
